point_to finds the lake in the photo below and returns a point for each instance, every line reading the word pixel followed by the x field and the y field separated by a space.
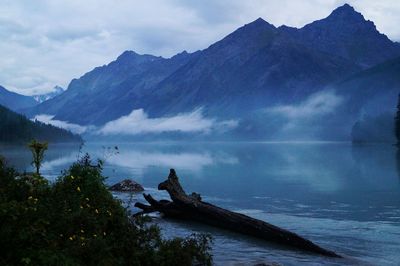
pixel 343 197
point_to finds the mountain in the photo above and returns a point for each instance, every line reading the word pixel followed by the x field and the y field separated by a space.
pixel 374 129
pixel 374 90
pixel 346 33
pixel 93 97
pixel 253 69
pixel 15 101
pixel 360 107
pixel 255 66
pixel 16 128
pixel 373 95
pixel 57 90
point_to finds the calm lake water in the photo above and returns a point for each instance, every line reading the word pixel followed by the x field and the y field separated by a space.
pixel 345 198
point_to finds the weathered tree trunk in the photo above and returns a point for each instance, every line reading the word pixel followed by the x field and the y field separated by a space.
pixel 191 207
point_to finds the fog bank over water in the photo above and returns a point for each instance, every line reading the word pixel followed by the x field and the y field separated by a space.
pixel 138 122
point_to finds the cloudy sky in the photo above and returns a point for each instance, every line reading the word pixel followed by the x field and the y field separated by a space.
pixel 48 42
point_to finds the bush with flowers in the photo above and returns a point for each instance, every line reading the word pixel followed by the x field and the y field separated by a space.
pixel 77 221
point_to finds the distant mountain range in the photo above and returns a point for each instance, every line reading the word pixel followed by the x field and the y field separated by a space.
pixel 16 128
pixel 260 78
pixel 15 101
pixel 57 90
pixel 18 102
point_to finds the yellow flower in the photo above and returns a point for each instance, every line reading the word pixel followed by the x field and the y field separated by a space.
pixel 78 189
pixel 81 207
pixel 82 238
pixel 87 199
pixel 70 238
pixel 104 233
pixel 87 205
pixel 72 177
pixel 82 231
pixel 61 235
pixel 94 235
pixel 30 197
pixel 96 211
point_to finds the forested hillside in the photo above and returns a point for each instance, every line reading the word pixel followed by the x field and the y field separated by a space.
pixel 17 128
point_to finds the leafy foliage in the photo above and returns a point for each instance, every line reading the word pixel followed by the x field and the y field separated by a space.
pixel 37 149
pixel 77 221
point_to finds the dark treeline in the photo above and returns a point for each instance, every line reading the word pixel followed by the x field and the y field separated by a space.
pixel 17 128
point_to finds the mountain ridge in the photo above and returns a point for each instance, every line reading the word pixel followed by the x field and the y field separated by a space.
pixel 346 33
pixel 15 101
pixel 255 66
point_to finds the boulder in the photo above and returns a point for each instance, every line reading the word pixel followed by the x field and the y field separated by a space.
pixel 127 185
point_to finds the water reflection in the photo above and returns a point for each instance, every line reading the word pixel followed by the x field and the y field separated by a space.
pixel 315 175
pixel 343 196
pixel 141 160
pixel 20 157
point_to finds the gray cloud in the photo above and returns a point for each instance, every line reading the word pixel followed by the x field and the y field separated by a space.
pixel 46 42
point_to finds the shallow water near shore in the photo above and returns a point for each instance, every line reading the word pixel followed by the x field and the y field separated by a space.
pixel 343 197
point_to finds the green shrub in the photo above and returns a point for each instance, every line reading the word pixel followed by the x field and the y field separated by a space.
pixel 37 148
pixel 76 221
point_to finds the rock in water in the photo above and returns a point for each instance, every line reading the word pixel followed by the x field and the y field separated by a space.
pixel 127 185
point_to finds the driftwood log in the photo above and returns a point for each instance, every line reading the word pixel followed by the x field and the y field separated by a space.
pixel 191 207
